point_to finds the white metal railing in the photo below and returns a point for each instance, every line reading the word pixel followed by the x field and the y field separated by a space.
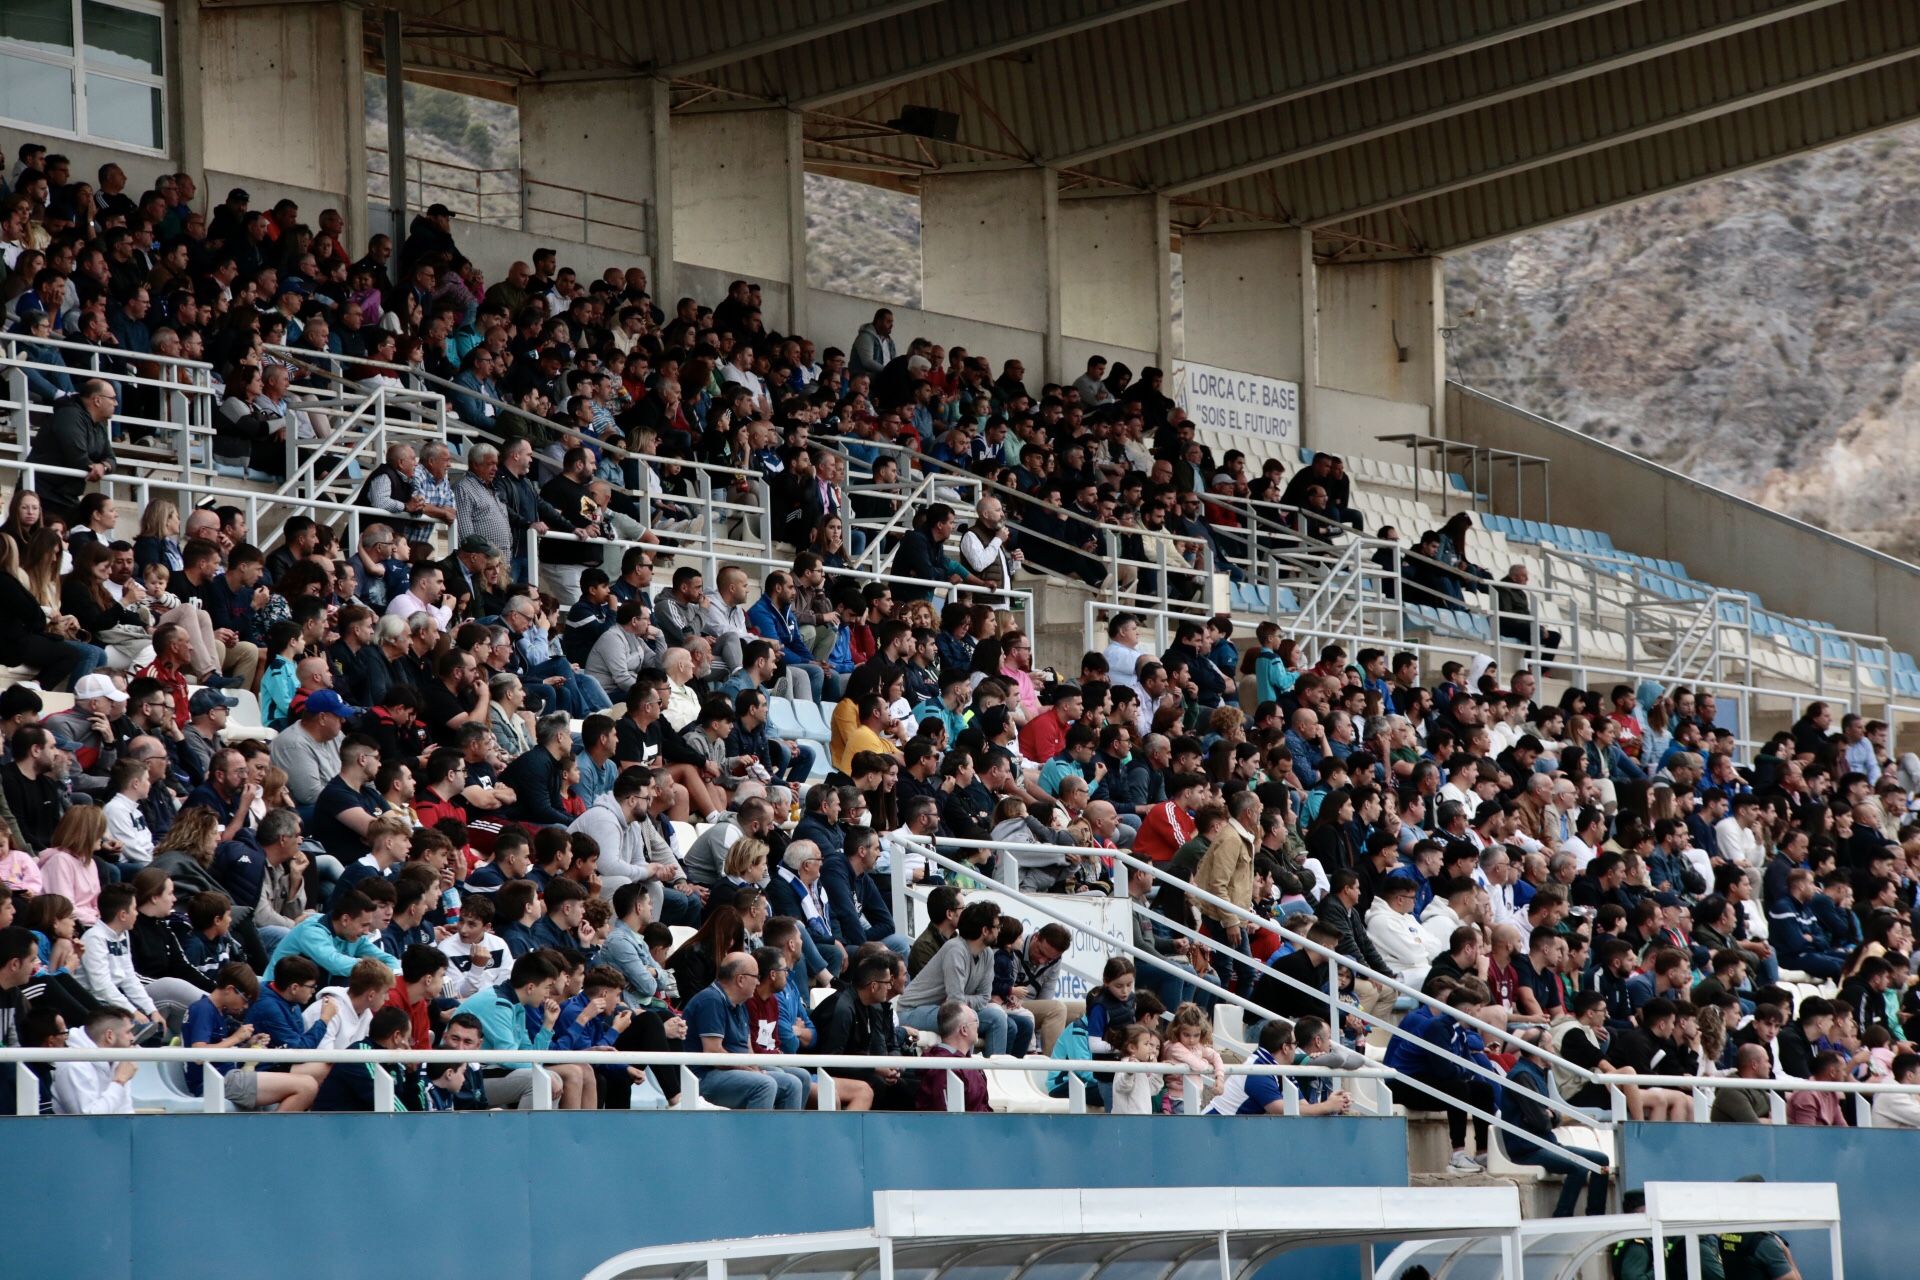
pixel 212 1098
pixel 930 850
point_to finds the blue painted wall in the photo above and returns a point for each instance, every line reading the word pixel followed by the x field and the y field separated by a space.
pixel 518 1196
pixel 1868 1165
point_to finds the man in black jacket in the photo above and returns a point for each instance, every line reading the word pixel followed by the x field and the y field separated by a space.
pixel 1797 1037
pixel 567 497
pixel 857 1021
pixel 75 437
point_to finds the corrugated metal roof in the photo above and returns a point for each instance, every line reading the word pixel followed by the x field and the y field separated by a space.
pixel 1387 125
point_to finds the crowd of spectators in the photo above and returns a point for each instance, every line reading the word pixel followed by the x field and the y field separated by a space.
pixel 465 828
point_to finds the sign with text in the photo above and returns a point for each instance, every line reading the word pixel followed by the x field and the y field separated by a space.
pixel 1243 403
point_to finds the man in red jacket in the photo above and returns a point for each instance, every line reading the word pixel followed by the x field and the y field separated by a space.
pixel 1168 826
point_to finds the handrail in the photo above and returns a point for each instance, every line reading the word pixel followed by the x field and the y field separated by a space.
pixel 1302 942
pixel 927 849
pixel 27 1083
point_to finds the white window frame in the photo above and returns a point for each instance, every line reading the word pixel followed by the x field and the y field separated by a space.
pixel 75 63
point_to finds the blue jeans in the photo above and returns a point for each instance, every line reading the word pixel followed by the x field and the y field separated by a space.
pixel 815 959
pixel 271 935
pixel 92 658
pixel 679 908
pixel 1576 1177
pixel 581 695
pixel 1173 991
pixel 1000 1032
pixel 795 766
pixel 753 1090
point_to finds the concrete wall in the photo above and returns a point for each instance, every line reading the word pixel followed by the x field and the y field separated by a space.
pixel 1116 274
pixel 1722 539
pixel 739 203
pixel 1347 422
pixel 280 98
pixel 1369 312
pixel 553 1194
pixel 1249 304
pixel 989 249
pixel 567 130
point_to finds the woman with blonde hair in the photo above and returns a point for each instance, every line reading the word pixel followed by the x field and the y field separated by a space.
pixel 158 541
pixel 745 868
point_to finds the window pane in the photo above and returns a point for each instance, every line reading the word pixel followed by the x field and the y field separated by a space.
pixel 46 25
pixel 120 39
pixel 37 92
pixel 122 111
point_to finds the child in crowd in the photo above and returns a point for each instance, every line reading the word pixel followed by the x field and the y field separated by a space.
pixel 211 945
pixel 19 869
pixel 1110 1007
pixel 1190 1044
pixel 1133 1092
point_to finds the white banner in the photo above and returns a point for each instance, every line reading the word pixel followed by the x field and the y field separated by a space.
pixel 1080 970
pixel 1241 403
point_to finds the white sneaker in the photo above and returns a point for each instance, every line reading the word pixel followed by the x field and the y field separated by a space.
pixel 1462 1163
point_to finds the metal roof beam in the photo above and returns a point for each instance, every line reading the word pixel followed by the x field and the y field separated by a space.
pixel 1409 98
pixel 1349 45
pixel 1592 115
pixel 1778 129
pixel 926 42
pixel 852 13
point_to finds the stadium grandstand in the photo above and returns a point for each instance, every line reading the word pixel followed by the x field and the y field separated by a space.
pixel 523 649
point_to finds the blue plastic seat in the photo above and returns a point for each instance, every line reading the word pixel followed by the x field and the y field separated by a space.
pixel 783 720
pixel 813 721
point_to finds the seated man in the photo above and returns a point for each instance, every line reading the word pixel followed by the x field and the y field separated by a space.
pixel 717 1021
pixel 1796 934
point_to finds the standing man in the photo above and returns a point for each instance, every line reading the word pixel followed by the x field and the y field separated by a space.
pixel 74 436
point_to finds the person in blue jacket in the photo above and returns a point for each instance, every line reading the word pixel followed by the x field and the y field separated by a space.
pixel 276 1014
pixel 349 1086
pixel 772 618
pixel 336 940
pixel 860 911
pixel 1417 1053
pixel 1796 934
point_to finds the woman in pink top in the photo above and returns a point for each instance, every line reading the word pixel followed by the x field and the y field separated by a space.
pixel 73 876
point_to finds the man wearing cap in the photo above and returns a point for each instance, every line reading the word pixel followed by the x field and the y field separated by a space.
pixel 87 731
pixel 463 573
pixel 207 710
pixel 308 750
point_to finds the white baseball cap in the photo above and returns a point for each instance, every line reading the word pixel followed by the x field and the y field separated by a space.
pixel 98 686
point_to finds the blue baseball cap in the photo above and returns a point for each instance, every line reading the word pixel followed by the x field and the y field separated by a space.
pixel 327 702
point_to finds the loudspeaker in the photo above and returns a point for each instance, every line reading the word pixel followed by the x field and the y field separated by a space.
pixel 928 122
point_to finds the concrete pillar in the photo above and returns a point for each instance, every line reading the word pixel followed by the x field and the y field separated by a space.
pixel 1380 332
pixel 1250 304
pixel 1116 272
pixel 738 184
pixel 570 190
pixel 281 102
pixel 989 249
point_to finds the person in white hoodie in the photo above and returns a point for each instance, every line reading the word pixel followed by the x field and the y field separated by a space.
pixel 97 1088
pixel 1407 949
pixel 1900 1110
pixel 106 959
pixel 477 958
pixel 616 820
pixel 353 1004
pixel 1448 911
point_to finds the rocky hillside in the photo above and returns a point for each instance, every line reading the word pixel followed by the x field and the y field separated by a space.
pixel 1758 332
